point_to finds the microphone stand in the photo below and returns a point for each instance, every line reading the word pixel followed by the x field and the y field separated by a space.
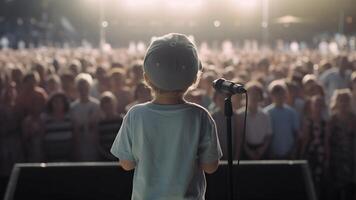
pixel 228 114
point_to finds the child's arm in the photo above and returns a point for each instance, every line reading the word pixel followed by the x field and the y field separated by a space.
pixel 210 167
pixel 127 164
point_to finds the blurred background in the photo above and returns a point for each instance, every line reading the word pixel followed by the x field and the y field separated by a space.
pixel 52 22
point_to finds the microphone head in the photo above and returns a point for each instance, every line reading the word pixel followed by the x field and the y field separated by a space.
pixel 217 84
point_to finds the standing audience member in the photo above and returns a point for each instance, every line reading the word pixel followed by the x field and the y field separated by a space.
pixel 119 89
pixel 11 151
pixel 340 145
pixel 337 77
pixel 314 140
pixel 285 123
pixel 53 84
pixel 142 94
pixel 258 127
pixel 85 111
pixel 31 99
pixel 109 125
pixel 353 90
pixel 58 142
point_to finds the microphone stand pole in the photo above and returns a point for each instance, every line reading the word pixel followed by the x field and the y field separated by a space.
pixel 228 115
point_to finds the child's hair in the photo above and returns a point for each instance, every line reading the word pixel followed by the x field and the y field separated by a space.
pixel 171 64
pixel 337 96
pixel 183 92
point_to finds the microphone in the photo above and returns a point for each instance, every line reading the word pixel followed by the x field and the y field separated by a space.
pixel 228 87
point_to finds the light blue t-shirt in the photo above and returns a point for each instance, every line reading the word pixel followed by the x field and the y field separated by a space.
pixel 285 126
pixel 167 143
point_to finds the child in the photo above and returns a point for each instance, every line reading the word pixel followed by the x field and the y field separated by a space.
pixel 285 123
pixel 169 142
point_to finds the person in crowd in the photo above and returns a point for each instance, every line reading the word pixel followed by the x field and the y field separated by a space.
pixel 285 123
pixel 206 85
pixel 314 141
pixel 169 142
pixel 53 84
pixel 119 89
pixel 310 83
pixel 353 89
pixel 68 86
pixel 258 127
pixel 41 71
pixel 33 131
pixel 135 74
pixel 337 77
pixel 219 117
pixel 85 111
pixel 75 67
pixel 58 141
pixel 11 150
pixel 16 76
pixel 109 125
pixel 293 98
pixel 142 94
pixel 101 82
pixel 340 145
pixel 31 99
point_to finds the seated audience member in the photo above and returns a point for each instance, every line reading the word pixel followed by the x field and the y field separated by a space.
pixel 109 125
pixel 314 139
pixel 341 146
pixel 119 89
pixel 258 127
pixel 85 111
pixel 285 123
pixel 58 140
pixel 142 94
pixel 219 117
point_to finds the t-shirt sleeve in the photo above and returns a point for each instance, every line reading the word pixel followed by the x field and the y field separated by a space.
pixel 122 146
pixel 209 149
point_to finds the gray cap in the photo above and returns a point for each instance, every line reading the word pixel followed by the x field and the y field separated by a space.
pixel 171 62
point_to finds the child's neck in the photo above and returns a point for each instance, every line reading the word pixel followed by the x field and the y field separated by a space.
pixel 168 99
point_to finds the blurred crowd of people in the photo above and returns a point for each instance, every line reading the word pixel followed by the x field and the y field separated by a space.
pixel 67 105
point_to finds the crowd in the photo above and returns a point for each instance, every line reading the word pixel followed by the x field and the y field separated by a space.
pixel 68 104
